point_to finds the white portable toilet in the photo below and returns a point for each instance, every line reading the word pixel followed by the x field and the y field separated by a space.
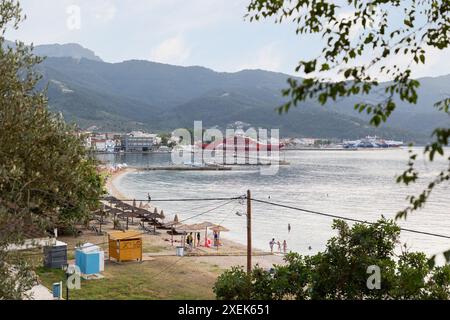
pixel 102 261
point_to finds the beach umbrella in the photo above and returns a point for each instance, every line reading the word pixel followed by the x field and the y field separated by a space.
pixel 162 215
pixel 205 225
pixel 155 211
pixel 183 228
pixel 140 205
pixel 110 199
pixel 219 229
pixel 175 219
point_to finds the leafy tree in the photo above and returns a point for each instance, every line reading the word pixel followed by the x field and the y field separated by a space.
pixel 363 42
pixel 343 271
pixel 46 177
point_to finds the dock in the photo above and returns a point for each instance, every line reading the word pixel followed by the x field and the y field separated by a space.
pixel 185 168
pixel 227 167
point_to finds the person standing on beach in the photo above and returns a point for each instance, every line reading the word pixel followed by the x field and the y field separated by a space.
pixel 284 246
pixel 271 244
pixel 279 246
pixel 289 228
pixel 198 239
pixel 191 240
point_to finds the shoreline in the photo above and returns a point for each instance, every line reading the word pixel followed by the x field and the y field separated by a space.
pixel 112 188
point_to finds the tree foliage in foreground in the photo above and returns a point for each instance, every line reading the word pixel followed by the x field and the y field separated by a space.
pixel 46 178
pixel 362 42
pixel 342 271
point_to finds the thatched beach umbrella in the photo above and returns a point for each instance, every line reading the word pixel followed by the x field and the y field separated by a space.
pixel 110 198
pixel 121 205
pixel 205 225
pixel 172 226
pixel 185 229
pixel 162 215
pixel 217 229
pixel 131 215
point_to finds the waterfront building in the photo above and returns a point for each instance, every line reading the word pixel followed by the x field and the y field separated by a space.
pixel 138 141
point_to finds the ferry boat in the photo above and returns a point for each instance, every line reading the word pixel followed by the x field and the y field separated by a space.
pixel 242 143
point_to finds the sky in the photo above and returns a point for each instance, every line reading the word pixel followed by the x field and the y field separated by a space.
pixel 209 33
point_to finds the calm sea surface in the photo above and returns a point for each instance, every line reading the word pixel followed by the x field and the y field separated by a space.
pixel 354 184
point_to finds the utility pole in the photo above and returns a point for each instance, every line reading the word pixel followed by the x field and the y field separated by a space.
pixel 67 282
pixel 249 232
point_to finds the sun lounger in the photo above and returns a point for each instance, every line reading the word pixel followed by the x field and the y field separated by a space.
pixel 147 229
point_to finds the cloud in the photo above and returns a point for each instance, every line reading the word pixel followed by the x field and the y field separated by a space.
pixel 103 11
pixel 172 50
pixel 436 63
pixel 268 58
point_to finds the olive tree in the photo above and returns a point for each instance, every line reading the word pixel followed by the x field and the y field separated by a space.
pixel 46 176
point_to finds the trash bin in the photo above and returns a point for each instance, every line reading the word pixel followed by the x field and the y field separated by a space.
pixel 180 251
pixel 55 257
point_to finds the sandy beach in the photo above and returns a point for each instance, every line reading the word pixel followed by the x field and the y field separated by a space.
pixel 229 254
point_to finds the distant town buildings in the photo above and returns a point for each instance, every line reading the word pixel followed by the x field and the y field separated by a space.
pixel 139 141
pixel 110 142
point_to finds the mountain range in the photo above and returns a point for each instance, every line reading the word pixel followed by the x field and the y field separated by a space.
pixel 152 96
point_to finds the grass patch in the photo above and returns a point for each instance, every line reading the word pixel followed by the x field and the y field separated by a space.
pixel 160 279
pixel 153 248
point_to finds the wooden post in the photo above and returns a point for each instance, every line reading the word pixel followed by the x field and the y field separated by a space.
pixel 249 232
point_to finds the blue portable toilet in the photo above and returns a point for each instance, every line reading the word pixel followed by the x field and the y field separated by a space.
pixel 87 258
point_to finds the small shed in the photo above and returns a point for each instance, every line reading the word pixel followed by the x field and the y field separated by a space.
pixel 125 246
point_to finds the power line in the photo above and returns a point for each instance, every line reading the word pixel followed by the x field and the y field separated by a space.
pixel 176 199
pixel 345 218
pixel 141 233
pixel 205 212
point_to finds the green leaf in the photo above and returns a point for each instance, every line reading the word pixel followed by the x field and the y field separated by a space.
pixel 325 67
pixel 408 23
pixel 422 58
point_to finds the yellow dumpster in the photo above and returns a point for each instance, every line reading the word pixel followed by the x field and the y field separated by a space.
pixel 125 246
